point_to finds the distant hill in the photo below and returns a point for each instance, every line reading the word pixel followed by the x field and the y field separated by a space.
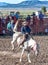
pixel 3 4
pixel 33 3
pixel 25 4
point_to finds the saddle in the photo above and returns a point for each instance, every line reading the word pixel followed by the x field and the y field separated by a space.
pixel 22 40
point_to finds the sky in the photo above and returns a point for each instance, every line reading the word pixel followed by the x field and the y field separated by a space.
pixel 12 1
pixel 15 1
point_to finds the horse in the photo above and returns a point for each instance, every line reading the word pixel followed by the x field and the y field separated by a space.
pixel 15 35
pixel 29 45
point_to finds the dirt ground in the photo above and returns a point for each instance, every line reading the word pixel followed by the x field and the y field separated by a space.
pixel 9 57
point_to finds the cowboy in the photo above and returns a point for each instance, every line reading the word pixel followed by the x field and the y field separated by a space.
pixel 25 31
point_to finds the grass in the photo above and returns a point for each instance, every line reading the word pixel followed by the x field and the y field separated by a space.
pixel 24 12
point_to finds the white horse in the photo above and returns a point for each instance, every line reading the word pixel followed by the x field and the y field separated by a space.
pixel 15 35
pixel 28 45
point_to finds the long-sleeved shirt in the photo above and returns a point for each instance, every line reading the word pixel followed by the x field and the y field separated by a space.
pixel 10 26
pixel 25 29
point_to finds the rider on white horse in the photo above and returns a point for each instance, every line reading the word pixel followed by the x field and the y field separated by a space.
pixel 27 43
pixel 25 31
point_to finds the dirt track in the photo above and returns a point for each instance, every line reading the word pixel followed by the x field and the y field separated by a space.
pixel 9 57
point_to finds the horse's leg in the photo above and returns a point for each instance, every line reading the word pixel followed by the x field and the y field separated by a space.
pixel 38 47
pixel 12 42
pixel 28 55
pixel 22 54
pixel 35 50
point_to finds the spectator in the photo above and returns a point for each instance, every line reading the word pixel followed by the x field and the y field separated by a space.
pixel 28 18
pixel 41 18
pixel 3 22
pixel 33 18
pixel 33 14
pixel 37 14
pixel 17 15
pixel 7 19
pixel 10 27
pixel 46 31
pixel 0 26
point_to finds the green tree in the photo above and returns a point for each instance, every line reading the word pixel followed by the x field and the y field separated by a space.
pixel 43 9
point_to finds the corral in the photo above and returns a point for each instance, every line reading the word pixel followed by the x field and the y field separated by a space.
pixel 9 57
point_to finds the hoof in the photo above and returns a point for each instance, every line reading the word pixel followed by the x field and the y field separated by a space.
pixel 20 47
pixel 20 60
pixel 12 49
pixel 29 61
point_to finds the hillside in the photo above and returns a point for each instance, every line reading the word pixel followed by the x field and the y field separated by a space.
pixel 25 4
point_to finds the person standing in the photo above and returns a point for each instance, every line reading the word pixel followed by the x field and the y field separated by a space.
pixel 41 18
pixel 10 27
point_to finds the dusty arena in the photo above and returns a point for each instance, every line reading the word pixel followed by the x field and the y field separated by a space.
pixel 9 57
